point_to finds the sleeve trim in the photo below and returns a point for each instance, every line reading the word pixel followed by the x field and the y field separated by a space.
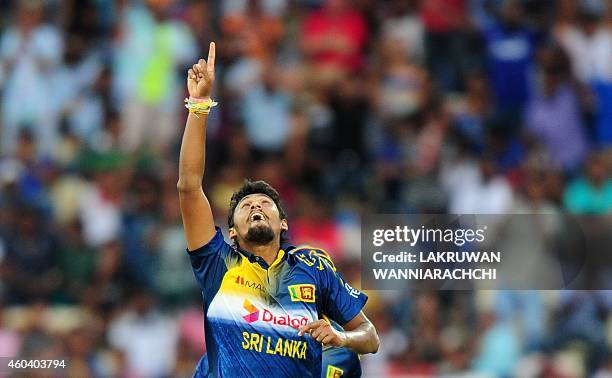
pixel 358 309
pixel 208 247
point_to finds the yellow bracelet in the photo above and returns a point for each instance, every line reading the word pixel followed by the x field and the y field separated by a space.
pixel 199 107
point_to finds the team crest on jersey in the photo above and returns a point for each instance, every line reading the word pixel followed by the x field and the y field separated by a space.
pixel 302 293
pixel 334 372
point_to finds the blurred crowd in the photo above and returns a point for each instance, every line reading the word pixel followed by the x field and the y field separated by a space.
pixel 348 108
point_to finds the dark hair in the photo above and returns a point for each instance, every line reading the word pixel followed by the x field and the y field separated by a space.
pixel 256 187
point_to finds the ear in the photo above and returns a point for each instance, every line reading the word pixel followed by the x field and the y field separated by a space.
pixel 232 233
pixel 284 226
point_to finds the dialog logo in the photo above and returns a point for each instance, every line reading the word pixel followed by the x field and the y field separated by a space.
pixel 267 316
pixel 253 312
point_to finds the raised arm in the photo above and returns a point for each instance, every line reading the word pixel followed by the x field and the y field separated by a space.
pixel 197 216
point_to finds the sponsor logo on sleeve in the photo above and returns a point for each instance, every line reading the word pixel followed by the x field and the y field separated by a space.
pixel 302 293
pixel 334 372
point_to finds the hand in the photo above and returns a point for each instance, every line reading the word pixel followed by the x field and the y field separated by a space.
pixel 324 333
pixel 201 76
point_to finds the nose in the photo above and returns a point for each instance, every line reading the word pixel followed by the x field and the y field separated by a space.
pixel 255 205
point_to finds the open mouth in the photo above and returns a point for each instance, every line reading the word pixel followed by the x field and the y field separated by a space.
pixel 257 217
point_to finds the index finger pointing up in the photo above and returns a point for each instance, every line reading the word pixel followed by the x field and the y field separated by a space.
pixel 210 62
pixel 305 328
pixel 309 327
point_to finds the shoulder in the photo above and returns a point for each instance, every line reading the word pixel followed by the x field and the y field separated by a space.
pixel 216 246
pixel 312 257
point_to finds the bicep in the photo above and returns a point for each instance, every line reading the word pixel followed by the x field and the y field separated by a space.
pixel 198 221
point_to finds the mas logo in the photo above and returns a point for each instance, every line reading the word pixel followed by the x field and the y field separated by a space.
pixel 240 280
pixel 334 372
pixel 302 293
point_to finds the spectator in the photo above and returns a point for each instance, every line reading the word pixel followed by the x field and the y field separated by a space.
pixel 147 339
pixel 78 263
pixel 313 220
pixel 393 154
pixel 99 204
pixel 510 52
pixel 406 27
pixel 587 39
pixel 80 346
pixel 333 39
pixel 253 28
pixel 499 349
pixel 553 114
pixel 579 319
pixel 473 115
pixel 266 113
pixel 444 40
pixel 33 174
pixel 403 84
pixel 591 194
pixel 151 47
pixel 30 269
pixel 140 230
pixel 10 339
pixel 79 92
pixel 171 278
pixel 489 193
pixel 30 51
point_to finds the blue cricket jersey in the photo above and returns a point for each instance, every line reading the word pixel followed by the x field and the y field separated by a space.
pixel 253 311
pixel 340 363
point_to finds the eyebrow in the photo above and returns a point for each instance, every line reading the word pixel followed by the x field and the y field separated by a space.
pixel 250 196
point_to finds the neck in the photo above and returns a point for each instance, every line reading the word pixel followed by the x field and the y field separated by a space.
pixel 268 252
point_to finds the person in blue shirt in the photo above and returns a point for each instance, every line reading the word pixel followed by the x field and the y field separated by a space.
pixel 266 304
pixel 510 50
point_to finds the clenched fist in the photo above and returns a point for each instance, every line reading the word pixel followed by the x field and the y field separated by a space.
pixel 201 75
pixel 324 333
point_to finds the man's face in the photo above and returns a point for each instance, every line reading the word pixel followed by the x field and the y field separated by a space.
pixel 257 220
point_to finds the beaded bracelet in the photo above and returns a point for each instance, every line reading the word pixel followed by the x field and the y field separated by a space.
pixel 199 106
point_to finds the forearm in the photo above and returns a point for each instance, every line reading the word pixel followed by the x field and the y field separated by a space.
pixel 192 155
pixel 362 339
pixel 197 215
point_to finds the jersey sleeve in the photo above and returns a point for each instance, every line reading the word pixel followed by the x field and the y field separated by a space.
pixel 209 264
pixel 340 301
